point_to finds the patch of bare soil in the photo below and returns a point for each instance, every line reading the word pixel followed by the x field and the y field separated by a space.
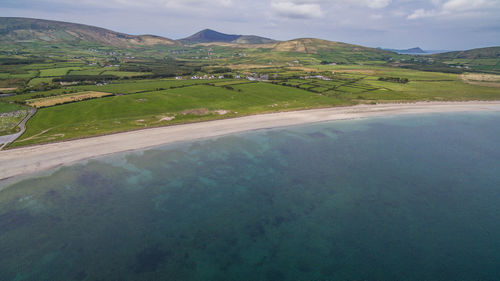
pixel 7 89
pixel 167 118
pixel 35 136
pixel 204 111
pixel 199 111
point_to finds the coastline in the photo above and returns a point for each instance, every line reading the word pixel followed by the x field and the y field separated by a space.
pixel 33 159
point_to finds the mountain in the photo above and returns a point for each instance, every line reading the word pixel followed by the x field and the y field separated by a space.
pixel 416 50
pixel 331 51
pixel 481 53
pixel 209 36
pixel 27 29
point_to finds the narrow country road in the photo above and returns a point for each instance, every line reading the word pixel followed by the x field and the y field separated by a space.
pixel 7 139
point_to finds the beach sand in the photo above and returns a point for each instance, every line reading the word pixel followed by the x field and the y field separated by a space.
pixel 28 160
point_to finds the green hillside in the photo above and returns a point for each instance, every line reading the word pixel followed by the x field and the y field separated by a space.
pixel 480 53
pixel 36 30
pixel 482 59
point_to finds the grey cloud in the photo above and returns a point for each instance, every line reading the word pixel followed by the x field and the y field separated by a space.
pixel 291 9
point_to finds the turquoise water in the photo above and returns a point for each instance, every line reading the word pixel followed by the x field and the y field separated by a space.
pixel 400 198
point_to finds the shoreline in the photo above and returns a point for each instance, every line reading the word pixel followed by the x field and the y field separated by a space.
pixel 24 161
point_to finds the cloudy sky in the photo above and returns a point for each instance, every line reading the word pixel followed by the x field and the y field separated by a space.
pixel 430 24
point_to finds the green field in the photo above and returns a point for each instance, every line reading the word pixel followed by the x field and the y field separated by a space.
pixel 158 102
pixel 149 103
pixel 115 87
pixel 124 73
pixel 37 81
pixel 135 111
pixel 92 71
pixel 8 107
pixel 54 72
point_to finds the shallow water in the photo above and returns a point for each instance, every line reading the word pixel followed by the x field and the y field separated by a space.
pixel 399 198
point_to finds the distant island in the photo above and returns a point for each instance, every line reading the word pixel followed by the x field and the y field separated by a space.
pixel 415 51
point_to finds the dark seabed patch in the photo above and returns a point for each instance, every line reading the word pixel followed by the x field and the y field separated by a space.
pixel 400 198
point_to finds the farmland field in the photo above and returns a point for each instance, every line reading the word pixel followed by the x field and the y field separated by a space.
pixel 54 72
pixel 67 98
pixel 158 102
pixel 36 81
pixel 189 104
pixel 92 71
pixel 124 73
pixel 8 107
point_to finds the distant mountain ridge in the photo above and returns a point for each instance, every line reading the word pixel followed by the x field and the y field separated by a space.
pixel 411 51
pixel 415 51
pixel 210 36
pixel 15 29
pixel 489 52
pixel 27 29
pixel 316 46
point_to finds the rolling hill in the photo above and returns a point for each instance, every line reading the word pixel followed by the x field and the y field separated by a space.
pixel 480 53
pixel 316 46
pixel 32 30
pixel 331 51
pixel 210 36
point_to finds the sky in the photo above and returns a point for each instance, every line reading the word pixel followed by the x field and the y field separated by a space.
pixel 429 24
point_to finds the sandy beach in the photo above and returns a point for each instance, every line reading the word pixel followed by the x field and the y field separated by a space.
pixel 24 161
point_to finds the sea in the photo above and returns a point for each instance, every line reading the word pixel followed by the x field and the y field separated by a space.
pixel 414 197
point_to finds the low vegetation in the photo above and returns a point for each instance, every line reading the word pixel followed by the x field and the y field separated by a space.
pixel 488 80
pixel 394 79
pixel 10 120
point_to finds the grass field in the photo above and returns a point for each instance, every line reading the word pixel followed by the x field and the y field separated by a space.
pixel 63 99
pixel 37 81
pixel 92 71
pixel 54 72
pixel 189 104
pixel 124 73
pixel 8 107
pixel 115 87
pixel 147 103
